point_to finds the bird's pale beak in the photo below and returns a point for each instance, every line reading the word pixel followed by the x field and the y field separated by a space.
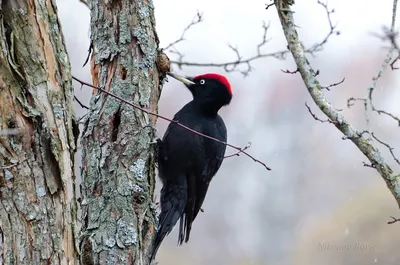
pixel 184 80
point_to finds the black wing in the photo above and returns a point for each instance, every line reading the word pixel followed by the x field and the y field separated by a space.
pixel 215 155
pixel 187 218
pixel 197 190
pixel 204 182
pixel 185 153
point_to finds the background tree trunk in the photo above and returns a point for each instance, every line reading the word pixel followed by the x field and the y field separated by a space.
pixel 118 164
pixel 37 142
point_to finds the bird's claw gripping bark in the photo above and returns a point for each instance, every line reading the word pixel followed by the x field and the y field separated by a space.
pixel 151 126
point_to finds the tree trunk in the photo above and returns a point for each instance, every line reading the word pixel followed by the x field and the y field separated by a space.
pixel 37 141
pixel 118 163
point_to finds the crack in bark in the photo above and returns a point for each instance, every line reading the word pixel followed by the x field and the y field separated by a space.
pixel 40 225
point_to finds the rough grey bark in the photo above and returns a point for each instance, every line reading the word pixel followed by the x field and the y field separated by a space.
pixel 37 143
pixel 118 163
pixel 309 77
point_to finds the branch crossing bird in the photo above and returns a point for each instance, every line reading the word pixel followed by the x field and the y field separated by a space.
pixel 187 162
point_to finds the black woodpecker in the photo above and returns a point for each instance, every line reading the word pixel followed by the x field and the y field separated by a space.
pixel 187 162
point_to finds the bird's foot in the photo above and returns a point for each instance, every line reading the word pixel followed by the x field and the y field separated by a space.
pixel 150 126
pixel 156 141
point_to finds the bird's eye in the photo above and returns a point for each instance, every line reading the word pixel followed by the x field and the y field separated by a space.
pixel 202 82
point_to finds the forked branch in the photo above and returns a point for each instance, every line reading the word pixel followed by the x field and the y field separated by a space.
pixel 316 91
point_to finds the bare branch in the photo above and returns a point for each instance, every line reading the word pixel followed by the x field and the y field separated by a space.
pixel 379 75
pixel 269 5
pixel 287 71
pixel 368 100
pixel 391 35
pixel 332 30
pixel 236 51
pixel 372 87
pixel 238 152
pixel 395 220
pixel 314 88
pixel 332 85
pixel 379 111
pixel 197 19
pixel 369 165
pixel 84 2
pixel 394 10
pixel 388 146
pixel 180 56
pixel 89 53
pixel 83 106
pixel 9 166
pixel 241 150
pixel 264 38
pixel 351 101
pixel 233 65
pixel 318 119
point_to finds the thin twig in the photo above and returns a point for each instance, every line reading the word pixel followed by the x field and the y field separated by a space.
pixel 393 34
pixel 196 20
pixel 351 101
pixel 84 2
pixel 373 85
pixel 240 60
pixel 233 64
pixel 369 165
pixel 287 71
pixel 379 111
pixel 394 11
pixel 314 88
pixel 269 5
pixel 80 103
pixel 9 166
pixel 381 70
pixel 171 121
pixel 332 30
pixel 395 220
pixel 332 85
pixel 89 53
pixel 388 147
pixel 238 152
pixel 318 119
pixel 264 39
pixel 368 100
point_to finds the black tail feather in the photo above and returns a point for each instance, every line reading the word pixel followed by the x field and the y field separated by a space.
pixel 189 208
pixel 173 201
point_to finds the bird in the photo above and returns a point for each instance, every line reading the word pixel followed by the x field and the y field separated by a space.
pixel 187 162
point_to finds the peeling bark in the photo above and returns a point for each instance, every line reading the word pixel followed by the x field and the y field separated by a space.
pixel 118 168
pixel 37 143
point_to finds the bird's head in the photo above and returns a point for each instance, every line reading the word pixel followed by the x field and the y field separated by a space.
pixel 212 91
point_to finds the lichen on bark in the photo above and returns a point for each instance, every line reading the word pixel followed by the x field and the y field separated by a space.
pixel 118 152
pixel 37 199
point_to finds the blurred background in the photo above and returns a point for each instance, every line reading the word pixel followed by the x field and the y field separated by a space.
pixel 319 204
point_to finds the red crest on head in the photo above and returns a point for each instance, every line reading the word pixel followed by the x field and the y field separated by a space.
pixel 222 79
